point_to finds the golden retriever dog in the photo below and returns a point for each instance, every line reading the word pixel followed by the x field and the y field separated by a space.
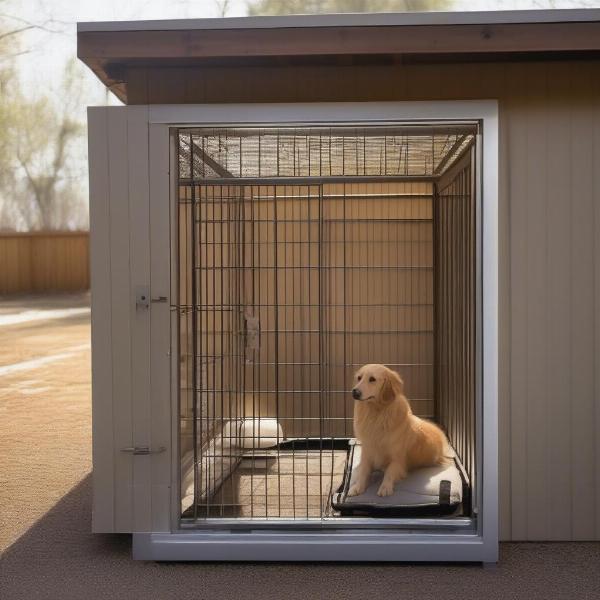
pixel 393 440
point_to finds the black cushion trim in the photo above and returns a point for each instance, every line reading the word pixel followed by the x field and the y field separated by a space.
pixel 445 489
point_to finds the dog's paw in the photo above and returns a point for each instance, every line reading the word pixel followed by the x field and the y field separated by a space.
pixel 355 490
pixel 385 489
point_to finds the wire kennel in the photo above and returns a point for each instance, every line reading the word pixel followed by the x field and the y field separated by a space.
pixel 304 252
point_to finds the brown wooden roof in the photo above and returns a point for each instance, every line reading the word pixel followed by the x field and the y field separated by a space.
pixel 112 50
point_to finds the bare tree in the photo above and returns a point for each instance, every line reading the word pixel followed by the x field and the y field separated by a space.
pixel 43 137
pixel 223 7
pixel 8 49
pixel 39 187
pixel 11 29
pixel 277 7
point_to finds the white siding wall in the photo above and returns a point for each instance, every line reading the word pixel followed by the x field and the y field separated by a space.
pixel 130 492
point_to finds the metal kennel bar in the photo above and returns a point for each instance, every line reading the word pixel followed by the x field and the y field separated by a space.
pixel 291 276
pixel 256 154
pixel 455 276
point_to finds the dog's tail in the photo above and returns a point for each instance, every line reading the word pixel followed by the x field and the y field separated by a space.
pixel 448 454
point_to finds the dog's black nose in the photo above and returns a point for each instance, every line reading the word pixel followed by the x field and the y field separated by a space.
pixel 356 394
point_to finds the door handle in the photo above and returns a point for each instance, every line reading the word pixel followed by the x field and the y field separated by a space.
pixel 142 450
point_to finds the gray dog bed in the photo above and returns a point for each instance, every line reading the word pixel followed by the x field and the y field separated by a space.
pixel 431 491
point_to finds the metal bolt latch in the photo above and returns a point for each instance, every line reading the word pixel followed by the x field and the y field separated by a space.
pixel 142 450
pixel 142 296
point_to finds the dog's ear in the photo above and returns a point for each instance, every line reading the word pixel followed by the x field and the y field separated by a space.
pixel 392 387
pixel 397 383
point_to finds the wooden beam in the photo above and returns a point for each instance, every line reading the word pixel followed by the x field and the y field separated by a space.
pixel 457 144
pixel 219 169
pixel 392 40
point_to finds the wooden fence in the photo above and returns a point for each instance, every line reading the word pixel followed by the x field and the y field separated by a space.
pixel 44 261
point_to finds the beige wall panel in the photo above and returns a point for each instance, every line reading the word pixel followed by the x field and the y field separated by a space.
pixel 595 80
pixel 558 307
pixel 549 263
pixel 536 301
pixel 583 396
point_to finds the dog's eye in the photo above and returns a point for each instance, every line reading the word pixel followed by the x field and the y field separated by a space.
pixel 371 379
pixel 359 377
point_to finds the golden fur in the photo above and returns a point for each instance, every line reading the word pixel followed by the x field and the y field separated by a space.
pixel 393 439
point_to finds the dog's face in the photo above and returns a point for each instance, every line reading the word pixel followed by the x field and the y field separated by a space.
pixel 376 383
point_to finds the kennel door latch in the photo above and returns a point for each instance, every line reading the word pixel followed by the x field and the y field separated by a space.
pixel 142 450
pixel 142 296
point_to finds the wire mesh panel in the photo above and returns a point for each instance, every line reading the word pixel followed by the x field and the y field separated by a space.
pixel 283 152
pixel 285 288
pixel 455 311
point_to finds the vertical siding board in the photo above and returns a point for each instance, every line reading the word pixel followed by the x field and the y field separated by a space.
pixel 102 397
pixel 493 82
pixel 557 461
pixel 596 201
pixel 37 280
pixel 10 265
pixel 535 201
pixel 121 321
pixel 504 329
pixel 5 281
pixel 6 266
pixel 16 268
pixel 582 298
pixel 160 388
pixel 517 77
pixel 139 242
pixel 28 251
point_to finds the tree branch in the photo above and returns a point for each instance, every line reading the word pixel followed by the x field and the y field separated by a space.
pixel 15 31
pixel 30 24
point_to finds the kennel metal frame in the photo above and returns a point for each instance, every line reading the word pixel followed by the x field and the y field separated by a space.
pixel 323 236
pixel 150 475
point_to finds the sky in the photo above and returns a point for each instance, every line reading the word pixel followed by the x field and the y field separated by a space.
pixel 49 49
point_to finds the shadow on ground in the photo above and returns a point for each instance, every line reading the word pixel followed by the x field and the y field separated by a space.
pixel 58 558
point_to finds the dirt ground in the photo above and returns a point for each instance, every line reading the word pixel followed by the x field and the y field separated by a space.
pixel 44 406
pixel 45 504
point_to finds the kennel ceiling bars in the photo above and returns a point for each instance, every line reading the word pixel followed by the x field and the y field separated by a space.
pixel 322 152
